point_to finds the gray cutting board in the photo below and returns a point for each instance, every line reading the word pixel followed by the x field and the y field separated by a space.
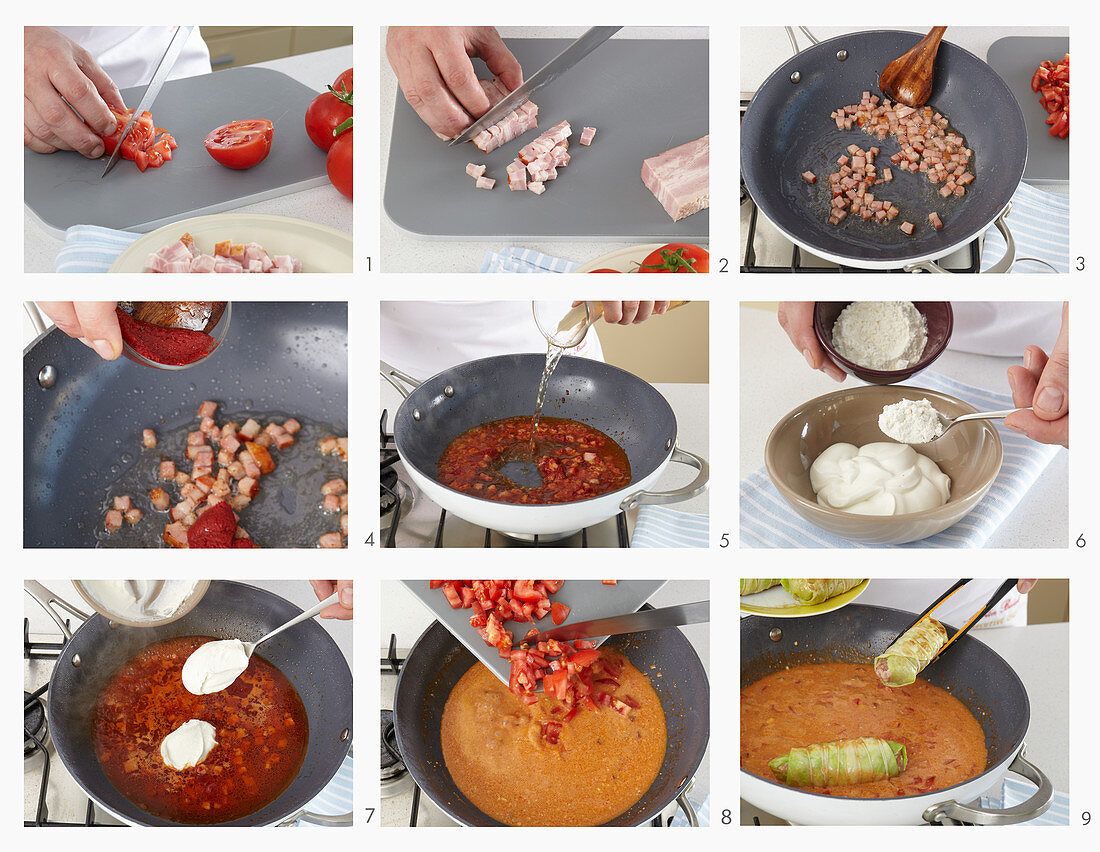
pixel 588 599
pixel 64 188
pixel 1015 59
pixel 643 96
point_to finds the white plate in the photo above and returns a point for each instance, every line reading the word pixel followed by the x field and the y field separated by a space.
pixel 319 247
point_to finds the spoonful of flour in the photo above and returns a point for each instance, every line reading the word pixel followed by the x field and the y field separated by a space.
pixel 911 421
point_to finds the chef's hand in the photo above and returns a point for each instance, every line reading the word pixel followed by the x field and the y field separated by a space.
pixel 92 323
pixel 324 588
pixel 56 67
pixel 1043 383
pixel 434 71
pixel 797 319
pixel 1025 586
pixel 627 313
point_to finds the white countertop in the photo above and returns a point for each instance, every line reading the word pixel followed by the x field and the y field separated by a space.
pixel 321 204
pixel 406 252
pixel 775 379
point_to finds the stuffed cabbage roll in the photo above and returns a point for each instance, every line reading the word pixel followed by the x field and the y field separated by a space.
pixel 842 762
pixel 900 664
pixel 751 587
pixel 810 592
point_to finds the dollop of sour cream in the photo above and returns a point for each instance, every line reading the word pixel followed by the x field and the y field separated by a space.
pixel 188 745
pixel 214 666
pixel 878 479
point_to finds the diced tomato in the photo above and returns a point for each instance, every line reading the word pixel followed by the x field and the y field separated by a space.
pixel 584 658
pixel 610 582
pixel 551 731
pixel 558 612
pixel 556 683
pixel 525 590
pixel 454 596
pixel 435 584
pixel 552 586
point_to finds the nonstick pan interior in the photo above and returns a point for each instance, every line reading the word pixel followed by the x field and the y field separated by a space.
pixel 81 434
pixel 616 402
pixel 305 653
pixel 438 660
pixel 787 131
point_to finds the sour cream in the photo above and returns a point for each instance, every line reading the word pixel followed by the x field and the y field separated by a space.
pixel 140 600
pixel 188 745
pixel 214 666
pixel 878 479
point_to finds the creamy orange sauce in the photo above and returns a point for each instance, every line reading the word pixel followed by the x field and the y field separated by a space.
pixel 820 703
pixel 602 764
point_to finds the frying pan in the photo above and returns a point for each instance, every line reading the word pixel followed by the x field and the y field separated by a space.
pixel 612 400
pixel 787 130
pixel 438 660
pixel 306 654
pixel 82 417
pixel 970 671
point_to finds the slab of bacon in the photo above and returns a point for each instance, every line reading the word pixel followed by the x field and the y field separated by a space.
pixel 183 256
pixel 513 125
pixel 680 178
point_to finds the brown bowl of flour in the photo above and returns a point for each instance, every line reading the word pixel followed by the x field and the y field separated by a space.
pixel 939 322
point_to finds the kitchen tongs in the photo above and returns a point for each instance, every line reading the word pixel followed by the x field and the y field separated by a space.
pixel 995 599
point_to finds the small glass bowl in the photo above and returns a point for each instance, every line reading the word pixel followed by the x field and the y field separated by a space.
pixel 218 332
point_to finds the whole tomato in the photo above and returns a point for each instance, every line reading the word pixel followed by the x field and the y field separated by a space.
pixel 340 163
pixel 677 257
pixel 330 112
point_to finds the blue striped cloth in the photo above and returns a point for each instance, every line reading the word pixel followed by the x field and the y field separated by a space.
pixel 1039 222
pixel 513 259
pixel 90 248
pixel 1015 792
pixel 768 521
pixel 336 798
pixel 659 526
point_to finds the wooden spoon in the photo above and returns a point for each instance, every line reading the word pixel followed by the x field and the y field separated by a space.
pixel 195 316
pixel 908 79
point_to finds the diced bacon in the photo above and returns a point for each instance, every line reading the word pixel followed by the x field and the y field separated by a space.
pixel 248 486
pixel 292 426
pixel 331 503
pixel 342 448
pixel 132 516
pixel 344 525
pixel 113 521
pixel 160 499
pixel 474 170
pixel 207 409
pixel 249 430
pixel 203 263
pixel 176 535
pixel 553 137
pixel 537 187
pixel 327 444
pixel 809 177
pixel 587 135
pixel 335 486
pixel 517 175
pixel 485 183
pixel 680 178
pixel 167 470
pixel 907 228
pixel 330 540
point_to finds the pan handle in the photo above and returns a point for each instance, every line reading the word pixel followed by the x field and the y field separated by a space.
pixel 395 377
pixel 336 820
pixel 794 42
pixel 689 810
pixel 47 599
pixel 1003 265
pixel 36 317
pixel 1035 806
pixel 659 498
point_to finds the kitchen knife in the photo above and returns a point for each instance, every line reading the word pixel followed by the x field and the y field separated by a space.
pixel 635 622
pixel 171 54
pixel 557 66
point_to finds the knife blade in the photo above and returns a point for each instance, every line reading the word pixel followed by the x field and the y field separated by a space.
pixel 557 66
pixel 171 54
pixel 635 622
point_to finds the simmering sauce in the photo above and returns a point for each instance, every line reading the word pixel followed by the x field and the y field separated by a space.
pixel 821 703
pixel 574 461
pixel 261 731
pixel 602 763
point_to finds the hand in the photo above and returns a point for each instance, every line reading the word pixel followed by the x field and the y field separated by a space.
pixel 1025 586
pixel 1043 383
pixel 92 323
pixel 628 313
pixel 56 67
pixel 797 319
pixel 434 71
pixel 324 588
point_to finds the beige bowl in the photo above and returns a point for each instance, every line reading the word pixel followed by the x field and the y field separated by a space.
pixel 970 454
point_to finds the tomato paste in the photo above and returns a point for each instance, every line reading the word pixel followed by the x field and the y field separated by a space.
pixel 214 528
pixel 172 346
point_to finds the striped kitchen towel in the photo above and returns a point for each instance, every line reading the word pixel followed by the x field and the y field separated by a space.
pixel 90 248
pixel 1039 222
pixel 768 521
pixel 513 259
pixel 659 526
pixel 336 798
pixel 701 811
pixel 1015 793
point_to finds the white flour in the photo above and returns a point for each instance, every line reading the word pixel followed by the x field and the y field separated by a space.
pixel 881 335
pixel 910 422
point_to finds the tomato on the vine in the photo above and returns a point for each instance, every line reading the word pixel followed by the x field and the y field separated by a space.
pixel 330 113
pixel 677 257
pixel 340 163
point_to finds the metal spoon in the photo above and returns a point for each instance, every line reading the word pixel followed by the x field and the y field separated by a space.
pixel 249 647
pixel 908 79
pixel 947 422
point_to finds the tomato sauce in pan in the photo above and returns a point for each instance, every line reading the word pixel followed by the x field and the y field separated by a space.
pixel 574 461
pixel 602 763
pixel 820 703
pixel 261 731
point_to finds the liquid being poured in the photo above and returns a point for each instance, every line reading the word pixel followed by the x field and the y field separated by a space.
pixel 553 356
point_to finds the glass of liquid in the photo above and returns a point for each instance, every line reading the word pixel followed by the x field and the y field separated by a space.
pixel 565 330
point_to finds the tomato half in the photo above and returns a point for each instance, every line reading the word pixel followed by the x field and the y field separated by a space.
pixel 677 257
pixel 340 163
pixel 241 144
